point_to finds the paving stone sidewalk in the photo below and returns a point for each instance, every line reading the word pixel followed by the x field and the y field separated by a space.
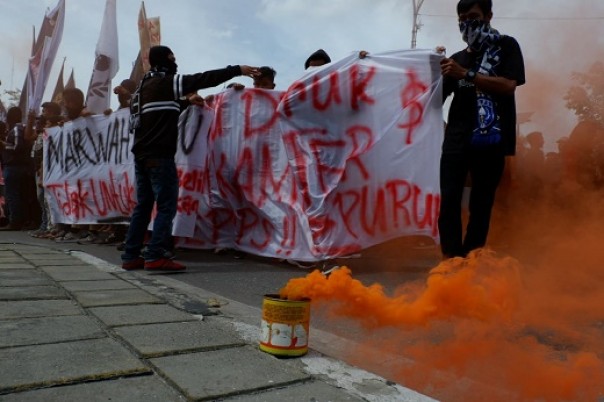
pixel 72 332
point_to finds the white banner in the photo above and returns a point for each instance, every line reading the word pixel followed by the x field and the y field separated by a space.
pixel 346 158
pixel 89 170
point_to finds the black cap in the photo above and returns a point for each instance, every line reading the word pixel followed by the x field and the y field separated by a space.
pixel 318 55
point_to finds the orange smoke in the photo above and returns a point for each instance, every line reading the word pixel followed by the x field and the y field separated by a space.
pixel 485 322
pixel 492 328
pixel 456 288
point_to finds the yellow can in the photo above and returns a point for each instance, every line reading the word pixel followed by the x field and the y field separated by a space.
pixel 285 326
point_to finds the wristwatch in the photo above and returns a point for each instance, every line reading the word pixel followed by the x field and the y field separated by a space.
pixel 471 75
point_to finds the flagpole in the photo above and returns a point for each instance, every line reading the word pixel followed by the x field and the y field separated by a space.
pixel 417 4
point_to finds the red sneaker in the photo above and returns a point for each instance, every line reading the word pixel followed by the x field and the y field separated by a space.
pixel 137 263
pixel 163 264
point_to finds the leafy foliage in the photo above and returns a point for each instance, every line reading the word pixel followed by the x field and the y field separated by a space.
pixel 12 96
pixel 587 97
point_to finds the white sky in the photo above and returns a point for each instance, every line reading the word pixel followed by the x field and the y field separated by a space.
pixel 556 36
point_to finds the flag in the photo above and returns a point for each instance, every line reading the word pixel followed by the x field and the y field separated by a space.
pixel 70 81
pixel 154 29
pixel 43 56
pixel 106 63
pixel 25 89
pixel 144 37
pixel 149 33
pixel 23 97
pixel 137 72
pixel 57 95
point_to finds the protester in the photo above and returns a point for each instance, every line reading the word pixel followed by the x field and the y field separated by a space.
pixel 3 207
pixel 73 103
pixel 112 234
pixel 532 165
pixel 74 107
pixel 117 233
pixel 236 86
pixel 124 93
pixel 266 78
pixel 17 169
pixel 481 128
pixel 50 117
pixel 318 58
pixel 155 109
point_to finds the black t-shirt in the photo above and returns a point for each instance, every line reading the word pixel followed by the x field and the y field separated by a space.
pixel 17 151
pixel 160 107
pixel 463 112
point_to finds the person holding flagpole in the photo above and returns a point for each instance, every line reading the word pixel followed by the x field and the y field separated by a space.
pixel 155 108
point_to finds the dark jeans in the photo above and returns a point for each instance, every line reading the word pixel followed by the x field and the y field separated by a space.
pixel 17 180
pixel 45 213
pixel 485 169
pixel 156 183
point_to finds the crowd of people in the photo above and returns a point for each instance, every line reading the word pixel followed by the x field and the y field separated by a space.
pixel 21 159
pixel 22 167
pixel 556 177
pixel 154 147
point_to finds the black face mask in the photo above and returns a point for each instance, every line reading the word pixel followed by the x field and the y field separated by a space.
pixel 169 67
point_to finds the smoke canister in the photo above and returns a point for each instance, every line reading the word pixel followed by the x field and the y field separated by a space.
pixel 285 326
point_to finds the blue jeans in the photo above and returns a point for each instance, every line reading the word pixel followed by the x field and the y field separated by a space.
pixel 156 183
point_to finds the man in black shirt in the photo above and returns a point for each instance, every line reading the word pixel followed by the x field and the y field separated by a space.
pixel 18 170
pixel 155 108
pixel 481 128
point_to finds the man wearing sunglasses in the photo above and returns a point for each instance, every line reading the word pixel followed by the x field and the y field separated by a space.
pixel 481 128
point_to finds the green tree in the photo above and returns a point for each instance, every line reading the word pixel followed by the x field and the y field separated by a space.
pixel 586 98
pixel 584 148
pixel 12 97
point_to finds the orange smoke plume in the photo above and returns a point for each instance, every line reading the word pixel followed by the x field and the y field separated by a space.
pixel 456 288
pixel 483 322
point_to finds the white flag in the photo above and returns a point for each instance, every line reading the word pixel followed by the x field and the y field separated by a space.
pixel 106 63
pixel 45 51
